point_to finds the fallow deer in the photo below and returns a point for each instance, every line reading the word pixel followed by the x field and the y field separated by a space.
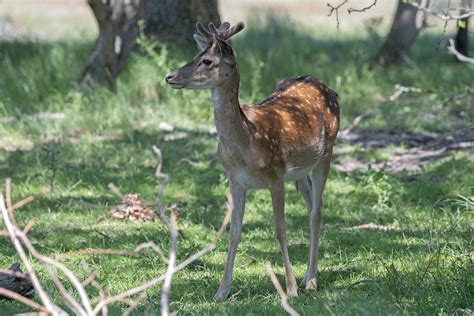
pixel 287 137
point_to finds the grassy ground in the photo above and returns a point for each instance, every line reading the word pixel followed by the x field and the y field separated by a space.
pixel 423 267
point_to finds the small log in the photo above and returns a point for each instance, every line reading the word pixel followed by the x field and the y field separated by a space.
pixel 16 282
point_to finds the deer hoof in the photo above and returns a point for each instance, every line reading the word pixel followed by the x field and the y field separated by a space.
pixel 221 294
pixel 292 292
pixel 311 285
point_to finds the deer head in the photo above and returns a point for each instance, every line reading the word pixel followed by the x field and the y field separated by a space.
pixel 216 62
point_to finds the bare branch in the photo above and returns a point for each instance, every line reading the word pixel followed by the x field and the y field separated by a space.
pixel 28 226
pixel 84 307
pixel 135 303
pixel 24 202
pixel 45 299
pixel 281 292
pixel 153 246
pixel 72 303
pixel 211 246
pixel 452 50
pixel 445 17
pixel 350 10
pixel 13 273
pixel 59 256
pixel 399 90
pixel 336 9
pixel 116 191
pixel 8 193
pixel 20 298
pixel 171 262
pixel 68 273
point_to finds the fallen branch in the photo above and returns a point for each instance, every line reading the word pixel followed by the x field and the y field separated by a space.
pixel 85 306
pixel 48 305
pixel 399 90
pixel 20 298
pixel 452 50
pixel 284 299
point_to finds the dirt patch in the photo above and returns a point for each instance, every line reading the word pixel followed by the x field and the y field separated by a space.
pixel 407 151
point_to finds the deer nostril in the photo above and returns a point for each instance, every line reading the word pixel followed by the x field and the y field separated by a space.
pixel 169 77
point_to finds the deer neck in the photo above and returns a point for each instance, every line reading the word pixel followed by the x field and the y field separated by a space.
pixel 229 117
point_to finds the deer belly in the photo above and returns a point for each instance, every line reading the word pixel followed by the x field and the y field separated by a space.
pixel 248 180
pixel 295 173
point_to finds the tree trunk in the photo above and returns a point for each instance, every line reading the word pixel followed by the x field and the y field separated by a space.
pixel 168 21
pixel 401 36
pixel 462 38
pixel 174 21
pixel 118 31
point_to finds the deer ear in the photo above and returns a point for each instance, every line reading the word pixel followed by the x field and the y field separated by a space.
pixel 201 42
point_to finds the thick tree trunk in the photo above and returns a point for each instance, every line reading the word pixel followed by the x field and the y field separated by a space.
pixel 401 36
pixel 174 21
pixel 168 21
pixel 462 38
pixel 118 31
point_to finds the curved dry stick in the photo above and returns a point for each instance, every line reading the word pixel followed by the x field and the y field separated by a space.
pixel 45 299
pixel 336 9
pixel 68 273
pixel 211 246
pixel 281 292
pixel 452 50
pixel 171 268
pixel 20 298
pixel 444 17
pixel 73 304
pixel 350 10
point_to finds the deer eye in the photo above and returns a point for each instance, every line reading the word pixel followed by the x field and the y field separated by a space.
pixel 207 62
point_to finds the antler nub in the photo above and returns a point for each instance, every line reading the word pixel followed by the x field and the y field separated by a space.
pixel 224 32
pixel 233 30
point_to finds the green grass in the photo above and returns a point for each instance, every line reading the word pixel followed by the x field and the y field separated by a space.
pixel 425 267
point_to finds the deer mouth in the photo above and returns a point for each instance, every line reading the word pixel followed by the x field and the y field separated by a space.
pixel 176 85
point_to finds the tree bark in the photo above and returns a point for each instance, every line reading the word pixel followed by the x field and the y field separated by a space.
pixel 167 21
pixel 461 42
pixel 118 31
pixel 402 35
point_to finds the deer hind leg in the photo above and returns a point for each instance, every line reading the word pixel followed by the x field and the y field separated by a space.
pixel 303 186
pixel 278 202
pixel 238 194
pixel 318 180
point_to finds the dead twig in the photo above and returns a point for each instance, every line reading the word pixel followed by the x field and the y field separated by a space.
pixel 8 192
pixel 284 299
pixel 45 299
pixel 20 298
pixel 350 10
pixel 79 252
pixel 399 90
pixel 445 17
pixel 84 307
pixel 153 246
pixel 116 191
pixel 171 263
pixel 335 9
pixel 452 50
